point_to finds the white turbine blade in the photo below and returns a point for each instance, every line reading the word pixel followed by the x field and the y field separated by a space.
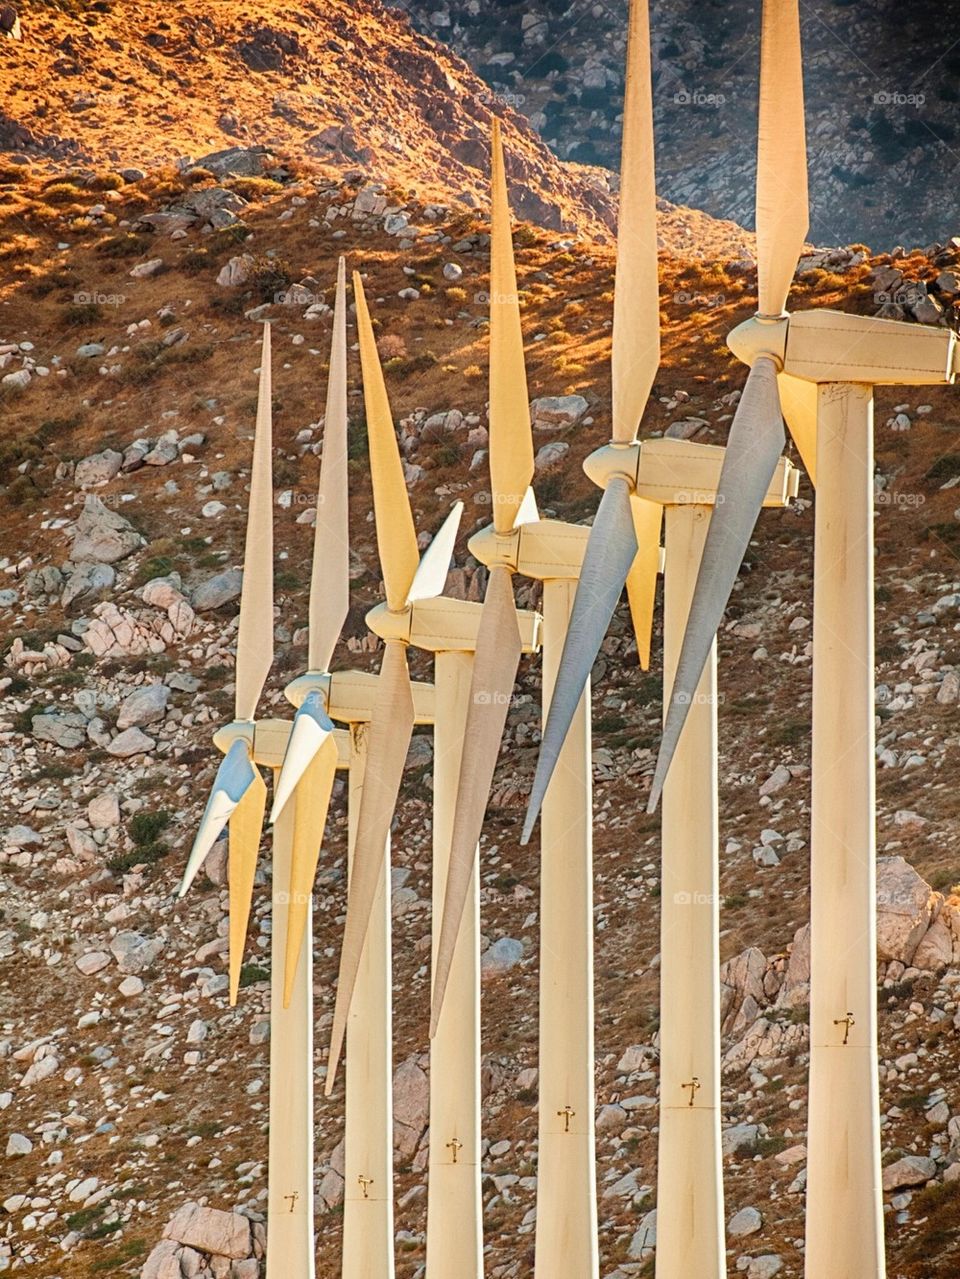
pixel 611 551
pixel 234 777
pixel 255 627
pixel 491 687
pixel 783 213
pixel 528 513
pixel 635 355
pixel 330 577
pixel 311 728
pixel 431 575
pixel 756 440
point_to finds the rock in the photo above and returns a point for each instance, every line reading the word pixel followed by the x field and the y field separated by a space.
pixel 411 1106
pixel 98 468
pixel 18 1144
pixel 39 1070
pixel 549 456
pixel 911 1170
pixel 130 987
pixel 94 961
pixel 905 906
pixel 935 952
pixel 87 579
pixel 163 1262
pixel 499 958
pixel 131 742
pixel 241 162
pixel 644 1242
pixel 22 837
pixel 742 995
pixel 144 706
pixel 949 691
pixel 103 811
pixel 452 271
pixel 795 989
pixel 103 535
pixel 225 1234
pixel 779 778
pixel 745 1222
pixel 556 412
pixel 764 1267
pixel 218 590
pixel 66 729
pixel 163 452
pixel 236 271
pixel 144 269
pixel 134 953
pixel 738 1137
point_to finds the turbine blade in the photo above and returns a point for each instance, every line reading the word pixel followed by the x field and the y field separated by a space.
pixel 246 828
pixel 431 575
pixel 391 727
pixel 312 803
pixel 798 401
pixel 255 628
pixel 234 776
pixel 753 450
pixel 396 537
pixel 491 687
pixel 511 439
pixel 783 212
pixel 642 578
pixel 330 577
pixel 528 513
pixel 611 550
pixel 636 306
pixel 311 729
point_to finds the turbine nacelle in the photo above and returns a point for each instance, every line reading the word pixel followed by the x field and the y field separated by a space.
pixel 239 730
pixel 832 346
pixel 541 549
pixel 679 472
pixel 442 624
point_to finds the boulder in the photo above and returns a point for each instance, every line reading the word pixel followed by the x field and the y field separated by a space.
pixel 218 590
pixel 144 706
pixel 644 1242
pixel 131 742
pixel 795 990
pixel 556 412
pixel 905 907
pixel 745 1222
pixel 225 1234
pixel 98 468
pixel 134 953
pixel 411 1106
pixel 911 1170
pixel 549 456
pixel 163 1262
pixel 103 535
pixel 66 729
pixel 503 955
pixel 94 961
pixel 241 162
pixel 103 811
pixel 87 579
pixel 236 271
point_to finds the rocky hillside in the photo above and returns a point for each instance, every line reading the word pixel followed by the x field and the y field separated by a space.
pixel 880 84
pixel 131 1092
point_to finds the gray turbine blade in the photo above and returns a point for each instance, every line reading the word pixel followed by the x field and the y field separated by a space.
pixel 611 550
pixel 754 446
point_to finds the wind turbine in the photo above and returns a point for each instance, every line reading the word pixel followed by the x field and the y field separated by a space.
pixel 828 364
pixel 677 479
pixel 551 552
pixel 238 796
pixel 447 628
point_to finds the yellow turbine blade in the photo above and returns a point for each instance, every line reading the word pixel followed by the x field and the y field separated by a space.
pixel 396 536
pixel 511 438
pixel 636 306
pixel 642 578
pixel 312 799
pixel 246 827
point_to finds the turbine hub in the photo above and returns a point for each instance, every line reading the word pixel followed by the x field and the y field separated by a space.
pixel 239 730
pixel 621 460
pixel 311 682
pixel 760 335
pixel 491 547
pixel 390 625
